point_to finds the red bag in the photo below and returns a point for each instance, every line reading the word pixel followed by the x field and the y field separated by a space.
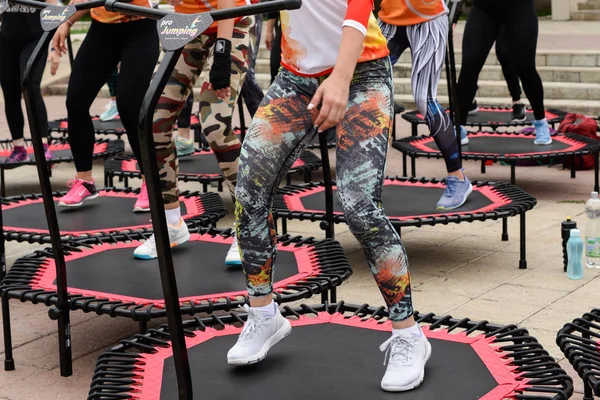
pixel 584 126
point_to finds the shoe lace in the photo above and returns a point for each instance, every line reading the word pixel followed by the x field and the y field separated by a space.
pixel 252 325
pixel 398 349
pixel 451 187
pixel 15 153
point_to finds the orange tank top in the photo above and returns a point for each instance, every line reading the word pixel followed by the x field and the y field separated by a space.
pixel 101 15
pixel 410 12
pixel 200 6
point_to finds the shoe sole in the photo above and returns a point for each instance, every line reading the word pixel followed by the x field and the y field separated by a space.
pixel 281 334
pixel 414 385
pixel 141 210
pixel 519 120
pixel 474 111
pixel 185 154
pixel 464 142
pixel 109 119
pixel 92 197
pixel 173 244
pixel 464 200
pixel 542 143
pixel 233 263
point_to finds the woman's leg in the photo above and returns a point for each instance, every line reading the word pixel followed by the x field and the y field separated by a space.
pixel 428 47
pixel 361 156
pixel 97 57
pixel 521 22
pixel 174 95
pixel 216 114
pixel 251 91
pixel 397 40
pixel 479 36
pixel 276 137
pixel 10 80
pixel 111 108
pixel 138 59
pixel 508 68
pixel 184 144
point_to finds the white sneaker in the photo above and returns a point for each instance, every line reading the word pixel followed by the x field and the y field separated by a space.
pixel 406 359
pixel 177 235
pixel 257 337
pixel 233 255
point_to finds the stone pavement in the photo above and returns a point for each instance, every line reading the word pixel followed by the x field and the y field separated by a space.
pixel 463 270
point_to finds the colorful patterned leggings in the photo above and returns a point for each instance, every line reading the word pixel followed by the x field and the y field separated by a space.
pixel 215 114
pixel 279 133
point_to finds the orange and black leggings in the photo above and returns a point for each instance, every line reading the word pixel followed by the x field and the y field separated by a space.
pixel 279 133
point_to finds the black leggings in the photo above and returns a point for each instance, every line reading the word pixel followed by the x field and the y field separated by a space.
pixel 520 20
pixel 14 55
pixel 509 70
pixel 135 46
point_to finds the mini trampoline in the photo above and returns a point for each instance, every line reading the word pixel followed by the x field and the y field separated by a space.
pixel 104 278
pixel 507 147
pixel 406 201
pixel 61 152
pixel 333 352
pixel 112 127
pixel 24 216
pixel 199 167
pixel 489 117
pixel 580 342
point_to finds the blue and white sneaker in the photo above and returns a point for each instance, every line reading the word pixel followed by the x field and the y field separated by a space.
pixel 184 146
pixel 233 257
pixel 542 132
pixel 111 112
pixel 455 194
pixel 464 140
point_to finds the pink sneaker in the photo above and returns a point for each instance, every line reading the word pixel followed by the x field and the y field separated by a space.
pixel 18 155
pixel 47 152
pixel 142 203
pixel 79 192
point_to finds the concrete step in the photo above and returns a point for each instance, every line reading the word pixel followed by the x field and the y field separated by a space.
pixel 494 72
pixel 544 58
pixel 589 5
pixel 586 15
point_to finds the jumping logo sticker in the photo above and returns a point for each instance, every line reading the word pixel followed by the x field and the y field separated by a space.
pixel 177 30
pixel 3 6
pixel 53 16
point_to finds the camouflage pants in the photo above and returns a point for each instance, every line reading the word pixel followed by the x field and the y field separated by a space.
pixel 215 114
pixel 279 133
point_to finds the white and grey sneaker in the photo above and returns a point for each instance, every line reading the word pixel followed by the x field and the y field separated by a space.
pixel 406 359
pixel 177 235
pixel 258 336
pixel 233 257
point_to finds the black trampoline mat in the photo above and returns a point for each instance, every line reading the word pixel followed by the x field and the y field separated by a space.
pixel 508 144
pixel 404 201
pixel 504 117
pixel 113 125
pixel 103 213
pixel 328 361
pixel 199 266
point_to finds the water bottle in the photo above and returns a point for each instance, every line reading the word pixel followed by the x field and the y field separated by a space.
pixel 565 233
pixel 592 232
pixel 575 254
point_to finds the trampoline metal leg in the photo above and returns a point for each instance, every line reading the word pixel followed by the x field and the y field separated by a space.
pixel 283 226
pixel 404 162
pixel 588 393
pixel 413 166
pixel 143 324
pixel 596 173
pixel 523 251
pixel 414 129
pixel 333 295
pixel 483 166
pixel 394 129
pixel 327 223
pixel 504 229
pixel 9 362
pixel 2 184
pixel 513 178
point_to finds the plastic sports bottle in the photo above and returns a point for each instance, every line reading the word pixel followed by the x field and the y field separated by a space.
pixel 575 253
pixel 592 232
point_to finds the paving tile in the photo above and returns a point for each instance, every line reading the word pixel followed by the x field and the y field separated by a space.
pixel 494 311
pixel 511 294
